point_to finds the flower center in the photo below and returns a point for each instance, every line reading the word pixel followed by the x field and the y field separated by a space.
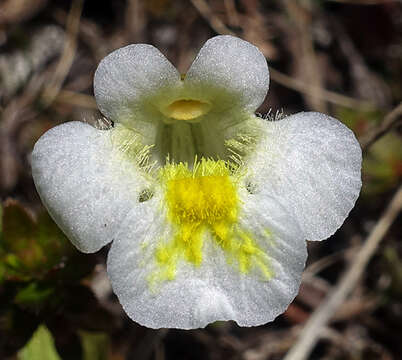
pixel 205 198
pixel 186 109
pixel 205 195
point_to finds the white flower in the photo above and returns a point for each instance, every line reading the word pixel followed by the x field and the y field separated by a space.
pixel 208 206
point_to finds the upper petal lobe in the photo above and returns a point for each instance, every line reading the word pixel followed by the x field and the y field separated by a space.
pixel 128 77
pixel 226 64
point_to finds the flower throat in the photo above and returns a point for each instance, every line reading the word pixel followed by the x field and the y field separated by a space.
pixel 204 199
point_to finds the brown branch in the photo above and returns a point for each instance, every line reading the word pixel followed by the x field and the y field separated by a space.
pixel 231 12
pixel 76 99
pixel 391 120
pixel 305 58
pixel 214 22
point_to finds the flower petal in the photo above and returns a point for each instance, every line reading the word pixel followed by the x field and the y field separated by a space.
pixel 229 72
pixel 86 185
pixel 216 289
pixel 128 78
pixel 312 162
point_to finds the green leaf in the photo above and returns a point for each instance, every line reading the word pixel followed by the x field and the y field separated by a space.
pixel 20 254
pixel 51 238
pixel 37 250
pixel 18 226
pixel 40 347
pixel 33 295
pixel 382 166
pixel 95 345
pixel 359 121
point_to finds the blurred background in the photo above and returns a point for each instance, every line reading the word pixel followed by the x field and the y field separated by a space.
pixel 340 57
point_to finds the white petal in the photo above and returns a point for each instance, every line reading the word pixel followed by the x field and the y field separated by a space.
pixel 313 163
pixel 127 79
pixel 225 66
pixel 86 185
pixel 215 290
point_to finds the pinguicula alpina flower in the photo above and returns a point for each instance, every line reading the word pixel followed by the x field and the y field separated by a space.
pixel 207 205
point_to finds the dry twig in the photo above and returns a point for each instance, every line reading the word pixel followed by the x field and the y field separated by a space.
pixel 231 12
pixel 14 11
pixel 334 300
pixel 67 57
pixel 330 96
pixel 364 2
pixel 329 260
pixel 135 20
pixel 76 99
pixel 214 21
pixel 305 58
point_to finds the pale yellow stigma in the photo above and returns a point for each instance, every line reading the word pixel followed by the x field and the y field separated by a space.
pixel 205 199
pixel 185 109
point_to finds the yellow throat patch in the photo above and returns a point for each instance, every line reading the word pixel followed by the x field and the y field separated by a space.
pixel 199 200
